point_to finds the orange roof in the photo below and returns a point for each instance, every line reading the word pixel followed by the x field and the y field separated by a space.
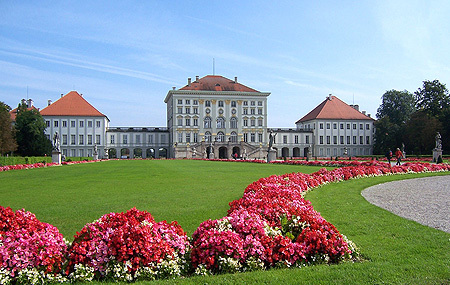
pixel 217 83
pixel 13 112
pixel 71 104
pixel 334 108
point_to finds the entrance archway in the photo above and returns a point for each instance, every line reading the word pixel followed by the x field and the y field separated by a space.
pixel 236 150
pixel 296 152
pixel 285 152
pixel 209 152
pixel 223 152
pixel 151 153
pixel 124 153
pixel 162 152
pixel 137 153
pixel 112 153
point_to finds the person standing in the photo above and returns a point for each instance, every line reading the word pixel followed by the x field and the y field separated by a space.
pixel 389 156
pixel 398 155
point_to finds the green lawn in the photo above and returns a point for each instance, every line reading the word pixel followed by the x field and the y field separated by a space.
pixel 396 250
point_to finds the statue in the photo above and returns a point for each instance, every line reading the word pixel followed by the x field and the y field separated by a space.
pixel 271 139
pixel 95 149
pixel 56 143
pixel 438 141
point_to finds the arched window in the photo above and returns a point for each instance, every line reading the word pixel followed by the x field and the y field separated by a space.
pixel 207 123
pixel 233 137
pixel 221 123
pixel 220 137
pixel 233 123
pixel 207 137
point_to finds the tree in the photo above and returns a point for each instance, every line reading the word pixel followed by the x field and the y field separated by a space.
pixel 388 136
pixel 420 132
pixel 433 98
pixel 7 141
pixel 30 136
pixel 397 105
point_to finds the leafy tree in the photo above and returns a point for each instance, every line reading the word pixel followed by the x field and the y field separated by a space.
pixel 387 136
pixel 397 105
pixel 7 141
pixel 420 132
pixel 433 98
pixel 30 136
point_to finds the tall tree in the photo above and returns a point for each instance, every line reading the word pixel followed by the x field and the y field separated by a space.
pixel 7 141
pixel 433 98
pixel 420 131
pixel 30 136
pixel 387 136
pixel 397 105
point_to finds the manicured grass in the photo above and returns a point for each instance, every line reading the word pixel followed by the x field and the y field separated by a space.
pixel 396 250
pixel 186 191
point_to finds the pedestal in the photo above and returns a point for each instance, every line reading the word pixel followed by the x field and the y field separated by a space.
pixel 56 157
pixel 95 156
pixel 436 154
pixel 271 155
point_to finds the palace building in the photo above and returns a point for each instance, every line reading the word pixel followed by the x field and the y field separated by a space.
pixel 211 117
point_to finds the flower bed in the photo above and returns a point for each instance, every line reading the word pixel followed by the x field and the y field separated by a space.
pixel 40 165
pixel 272 225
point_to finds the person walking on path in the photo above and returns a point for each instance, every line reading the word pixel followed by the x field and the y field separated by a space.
pixel 389 156
pixel 398 155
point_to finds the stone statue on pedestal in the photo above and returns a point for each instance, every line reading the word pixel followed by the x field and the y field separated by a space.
pixel 56 142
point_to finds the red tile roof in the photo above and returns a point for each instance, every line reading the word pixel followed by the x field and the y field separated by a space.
pixel 13 112
pixel 334 108
pixel 217 83
pixel 71 104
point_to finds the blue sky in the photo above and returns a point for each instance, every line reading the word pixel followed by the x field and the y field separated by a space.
pixel 124 56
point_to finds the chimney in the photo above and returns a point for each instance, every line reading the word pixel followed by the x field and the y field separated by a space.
pixel 189 81
pixel 23 101
pixel 173 88
pixel 49 102
pixel 235 79
pixel 329 96
pixel 364 112
pixel 356 107
pixel 62 95
pixel 30 103
pixel 196 78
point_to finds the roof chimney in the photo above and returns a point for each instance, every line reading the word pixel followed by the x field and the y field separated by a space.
pixel 364 112
pixel 23 101
pixel 329 96
pixel 196 78
pixel 30 103
pixel 173 88
pixel 356 107
pixel 235 79
pixel 62 95
pixel 189 81
pixel 49 102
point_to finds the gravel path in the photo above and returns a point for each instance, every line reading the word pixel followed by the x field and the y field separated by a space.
pixel 424 200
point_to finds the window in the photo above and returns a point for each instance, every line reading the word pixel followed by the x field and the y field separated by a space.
pixel 260 122
pixel 188 137
pixel 97 139
pixel 180 121
pixel 73 152
pixel 245 103
pixel 72 124
pixel 55 124
pixel 252 103
pixel 252 111
pixel 188 121
pixel 207 123
pixel 361 127
pixel 138 139
pixel 233 137
pixel 367 140
pixel 321 140
pixel 341 126
pixel 220 103
pixel 195 122
pixel 89 139
pixel 361 140
pixel 321 126
pixel 233 104
pixel 348 126
pixel 180 110
pixel 334 126
pixel 328 126
pixel 245 122
pixel 245 137
pixel 188 110
pixel 233 123
pixel 341 139
pixel 354 139
pixel 207 103
pixel 64 124
pixel 97 123
pixel 195 137
pixel 220 123
pixel 354 126
pixel 81 139
pixel 348 139
pixel 72 139
pixel 163 138
pixel 150 138
pixel 307 139
pixel 124 139
pixel 260 111
pixel 188 101
pixel 220 137
pixel 367 127
pixel 252 122
pixel 47 123
pixel 64 139
pixel 180 137
pixel 334 139
pixel 81 152
pixel 81 124
pixel 112 139
pixel 328 139
pixel 195 102
pixel 259 103
pixel 296 139
pixel 195 109
pixel 89 124
pixel 285 139
pixel 260 137
pixel 252 137
pixel 180 101
pixel 208 137
pixel 245 111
